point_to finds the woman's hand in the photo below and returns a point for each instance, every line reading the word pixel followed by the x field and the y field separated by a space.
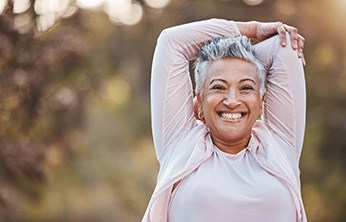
pixel 265 30
pixel 260 31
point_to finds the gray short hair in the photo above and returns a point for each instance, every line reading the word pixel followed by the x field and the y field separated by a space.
pixel 219 48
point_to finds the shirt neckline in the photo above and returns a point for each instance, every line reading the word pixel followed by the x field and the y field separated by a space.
pixel 231 156
pixel 251 145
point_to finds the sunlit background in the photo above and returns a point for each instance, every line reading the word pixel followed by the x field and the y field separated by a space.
pixel 75 136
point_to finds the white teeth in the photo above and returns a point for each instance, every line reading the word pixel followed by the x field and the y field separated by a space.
pixel 231 115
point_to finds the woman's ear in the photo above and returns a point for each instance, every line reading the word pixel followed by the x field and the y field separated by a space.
pixel 197 108
pixel 198 99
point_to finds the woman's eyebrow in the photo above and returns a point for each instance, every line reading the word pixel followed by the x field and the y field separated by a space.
pixel 248 79
pixel 213 80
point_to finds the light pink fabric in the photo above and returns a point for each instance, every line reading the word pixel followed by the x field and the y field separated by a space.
pixel 235 188
pixel 182 145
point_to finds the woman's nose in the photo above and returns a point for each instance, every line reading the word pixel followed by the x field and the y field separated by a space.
pixel 232 100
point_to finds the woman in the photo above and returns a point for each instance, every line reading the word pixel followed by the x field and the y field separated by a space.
pixel 227 164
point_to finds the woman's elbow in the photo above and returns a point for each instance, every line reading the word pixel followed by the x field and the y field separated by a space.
pixel 166 37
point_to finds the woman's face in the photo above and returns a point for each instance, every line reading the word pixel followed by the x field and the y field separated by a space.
pixel 231 100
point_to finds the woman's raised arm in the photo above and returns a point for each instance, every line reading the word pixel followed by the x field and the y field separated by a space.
pixel 285 100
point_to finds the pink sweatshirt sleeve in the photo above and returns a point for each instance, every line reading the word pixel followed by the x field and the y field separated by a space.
pixel 171 88
pixel 285 101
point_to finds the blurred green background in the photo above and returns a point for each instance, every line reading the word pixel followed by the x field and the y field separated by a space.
pixel 75 135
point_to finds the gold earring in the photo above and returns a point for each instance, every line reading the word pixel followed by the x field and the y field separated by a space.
pixel 200 114
pixel 260 117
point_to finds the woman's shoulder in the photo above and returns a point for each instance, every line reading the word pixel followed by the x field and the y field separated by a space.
pixel 192 135
pixel 189 140
pixel 273 145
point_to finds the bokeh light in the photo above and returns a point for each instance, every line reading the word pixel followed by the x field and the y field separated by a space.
pixel 253 2
pixel 124 11
pixel 20 6
pixel 285 7
pixel 157 4
pixel 48 12
pixel 51 6
pixel 115 91
pixel 90 4
pixel 114 8
pixel 132 14
pixel 326 55
pixel 3 4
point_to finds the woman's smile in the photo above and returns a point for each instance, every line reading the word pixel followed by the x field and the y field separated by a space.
pixel 234 117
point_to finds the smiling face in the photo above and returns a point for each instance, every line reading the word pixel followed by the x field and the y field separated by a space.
pixel 231 102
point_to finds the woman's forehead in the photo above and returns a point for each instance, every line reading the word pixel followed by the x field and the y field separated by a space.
pixel 231 69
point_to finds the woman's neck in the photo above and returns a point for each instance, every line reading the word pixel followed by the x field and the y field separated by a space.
pixel 232 147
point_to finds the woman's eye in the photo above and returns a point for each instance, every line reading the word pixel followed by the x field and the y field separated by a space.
pixel 218 87
pixel 247 88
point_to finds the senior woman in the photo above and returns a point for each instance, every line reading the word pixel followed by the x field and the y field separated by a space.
pixel 227 163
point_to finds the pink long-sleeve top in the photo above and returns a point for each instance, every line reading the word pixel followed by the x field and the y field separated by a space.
pixel 260 183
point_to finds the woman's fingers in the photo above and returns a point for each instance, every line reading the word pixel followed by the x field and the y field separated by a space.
pixel 301 42
pixel 265 30
pixel 293 35
pixel 282 33
pixel 303 60
pixel 297 41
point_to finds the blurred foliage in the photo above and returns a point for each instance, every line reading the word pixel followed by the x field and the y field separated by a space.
pixel 75 138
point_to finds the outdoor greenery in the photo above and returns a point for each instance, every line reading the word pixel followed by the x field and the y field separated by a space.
pixel 75 134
